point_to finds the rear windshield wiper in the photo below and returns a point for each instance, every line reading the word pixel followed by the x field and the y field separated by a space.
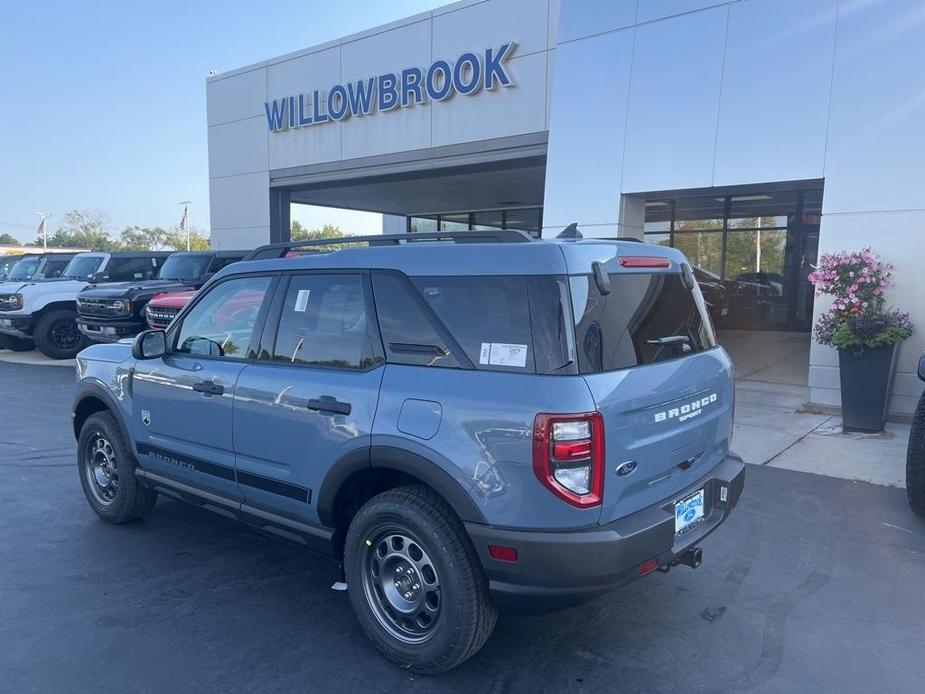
pixel 670 340
pixel 413 348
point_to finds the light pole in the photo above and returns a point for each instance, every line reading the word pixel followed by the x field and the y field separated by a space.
pixel 185 219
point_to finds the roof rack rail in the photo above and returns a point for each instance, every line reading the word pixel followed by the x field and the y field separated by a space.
pixel 279 250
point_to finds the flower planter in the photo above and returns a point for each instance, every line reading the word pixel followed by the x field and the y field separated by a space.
pixel 865 387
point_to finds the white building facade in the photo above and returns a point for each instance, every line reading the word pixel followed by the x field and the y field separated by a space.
pixel 752 134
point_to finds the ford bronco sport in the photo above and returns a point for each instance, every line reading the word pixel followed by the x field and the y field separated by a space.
pixel 46 310
pixel 467 421
pixel 111 312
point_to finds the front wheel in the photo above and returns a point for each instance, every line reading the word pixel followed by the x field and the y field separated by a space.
pixel 57 335
pixel 414 581
pixel 107 472
pixel 915 461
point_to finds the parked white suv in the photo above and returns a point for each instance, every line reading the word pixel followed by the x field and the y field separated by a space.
pixel 46 310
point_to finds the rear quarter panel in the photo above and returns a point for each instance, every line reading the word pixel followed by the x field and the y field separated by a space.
pixel 483 438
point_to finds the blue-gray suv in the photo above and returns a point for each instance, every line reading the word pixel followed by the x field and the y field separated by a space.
pixel 465 421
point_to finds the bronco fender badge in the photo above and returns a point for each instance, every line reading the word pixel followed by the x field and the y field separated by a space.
pixel 145 417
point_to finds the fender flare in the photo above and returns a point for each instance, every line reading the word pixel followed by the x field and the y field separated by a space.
pixel 45 301
pixel 94 389
pixel 400 460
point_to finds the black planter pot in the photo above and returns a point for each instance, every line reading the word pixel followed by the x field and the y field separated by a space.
pixel 865 387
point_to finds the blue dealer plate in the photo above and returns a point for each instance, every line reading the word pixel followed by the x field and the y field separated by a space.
pixel 688 512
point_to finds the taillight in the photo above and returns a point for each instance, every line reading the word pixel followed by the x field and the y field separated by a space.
pixel 644 261
pixel 568 456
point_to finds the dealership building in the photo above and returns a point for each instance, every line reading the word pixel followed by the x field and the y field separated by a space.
pixel 751 134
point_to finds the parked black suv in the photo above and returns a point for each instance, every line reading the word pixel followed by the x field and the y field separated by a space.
pixel 114 311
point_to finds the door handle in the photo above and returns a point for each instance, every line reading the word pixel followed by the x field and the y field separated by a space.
pixel 326 403
pixel 209 388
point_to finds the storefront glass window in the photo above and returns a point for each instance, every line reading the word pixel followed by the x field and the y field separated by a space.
pixel 757 248
pixel 703 248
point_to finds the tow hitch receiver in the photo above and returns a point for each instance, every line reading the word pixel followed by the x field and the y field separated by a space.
pixel 692 557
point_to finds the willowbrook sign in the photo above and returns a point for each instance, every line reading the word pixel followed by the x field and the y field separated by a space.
pixel 468 75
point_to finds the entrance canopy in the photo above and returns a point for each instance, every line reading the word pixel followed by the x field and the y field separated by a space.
pixel 501 174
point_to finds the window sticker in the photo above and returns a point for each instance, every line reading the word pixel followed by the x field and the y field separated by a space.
pixel 301 300
pixel 503 354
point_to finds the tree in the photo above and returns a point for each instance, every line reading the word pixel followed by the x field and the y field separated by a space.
pixel 136 238
pixel 328 231
pixel 7 240
pixel 82 229
pixel 176 240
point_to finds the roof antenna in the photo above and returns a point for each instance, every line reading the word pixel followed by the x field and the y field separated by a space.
pixel 570 232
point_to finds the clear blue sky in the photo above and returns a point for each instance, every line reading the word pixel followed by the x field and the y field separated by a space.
pixel 104 103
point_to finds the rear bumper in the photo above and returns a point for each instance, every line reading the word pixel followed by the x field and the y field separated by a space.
pixel 558 569
pixel 102 330
pixel 17 326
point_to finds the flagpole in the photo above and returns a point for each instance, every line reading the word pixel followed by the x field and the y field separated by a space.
pixel 186 204
pixel 44 229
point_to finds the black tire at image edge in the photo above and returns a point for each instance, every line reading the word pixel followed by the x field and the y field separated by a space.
pixel 915 461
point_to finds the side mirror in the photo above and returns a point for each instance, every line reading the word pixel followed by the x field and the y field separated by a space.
pixel 150 344
pixel 922 367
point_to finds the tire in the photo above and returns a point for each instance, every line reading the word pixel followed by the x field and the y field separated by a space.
pixel 57 335
pixel 915 461
pixel 453 619
pixel 107 472
pixel 16 344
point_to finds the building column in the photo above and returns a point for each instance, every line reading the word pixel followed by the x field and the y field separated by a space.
pixel 632 216
pixel 280 225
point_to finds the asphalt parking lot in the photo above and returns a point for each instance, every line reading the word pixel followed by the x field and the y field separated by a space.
pixel 815 584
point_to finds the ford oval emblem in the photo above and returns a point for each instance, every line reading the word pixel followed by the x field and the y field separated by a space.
pixel 627 468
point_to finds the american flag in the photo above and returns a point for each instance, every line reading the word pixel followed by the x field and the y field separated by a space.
pixel 183 218
pixel 41 229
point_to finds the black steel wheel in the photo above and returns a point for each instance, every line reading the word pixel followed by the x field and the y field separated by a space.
pixel 402 586
pixel 415 583
pixel 100 468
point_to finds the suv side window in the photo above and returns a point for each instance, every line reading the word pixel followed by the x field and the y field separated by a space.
pixel 54 267
pixel 324 322
pixel 489 316
pixel 222 323
pixel 408 334
pixel 130 269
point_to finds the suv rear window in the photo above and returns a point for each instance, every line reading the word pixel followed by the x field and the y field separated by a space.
pixel 644 319
pixel 515 323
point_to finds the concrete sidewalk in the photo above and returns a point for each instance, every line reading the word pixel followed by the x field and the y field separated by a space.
pixel 772 430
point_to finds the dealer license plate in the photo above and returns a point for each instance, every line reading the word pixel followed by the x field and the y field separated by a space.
pixel 6 322
pixel 688 512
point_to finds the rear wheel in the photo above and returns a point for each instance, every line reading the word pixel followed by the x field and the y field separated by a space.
pixel 107 472
pixel 414 581
pixel 57 335
pixel 16 344
pixel 915 461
